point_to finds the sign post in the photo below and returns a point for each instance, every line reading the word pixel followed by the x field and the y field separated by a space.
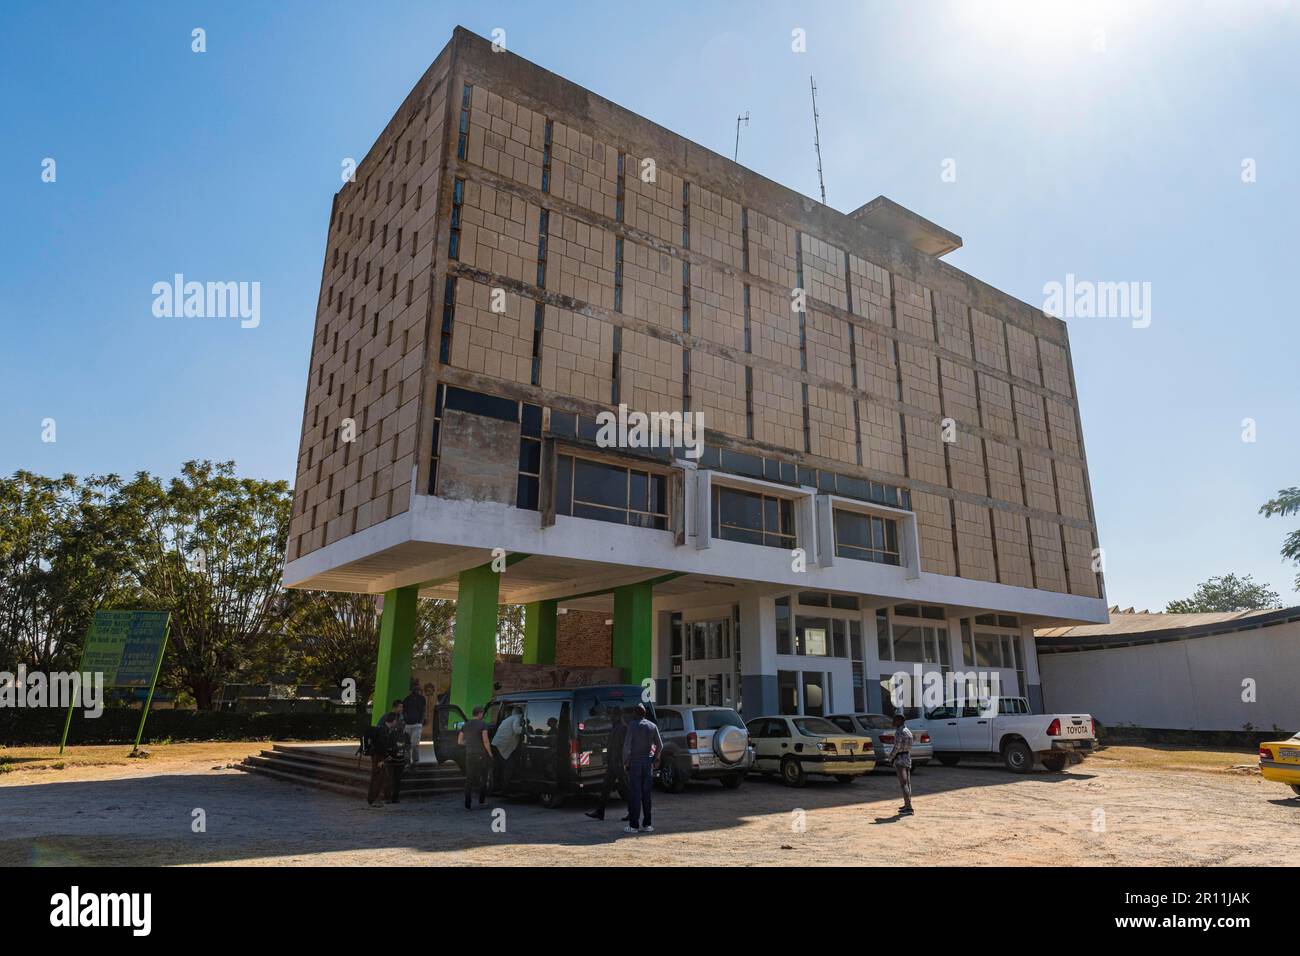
pixel 127 648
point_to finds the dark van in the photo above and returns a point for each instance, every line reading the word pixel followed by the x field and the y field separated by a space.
pixel 566 731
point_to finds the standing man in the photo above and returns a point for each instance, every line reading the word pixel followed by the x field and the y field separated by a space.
pixel 385 776
pixel 901 758
pixel 613 763
pixel 413 713
pixel 505 745
pixel 478 756
pixel 642 748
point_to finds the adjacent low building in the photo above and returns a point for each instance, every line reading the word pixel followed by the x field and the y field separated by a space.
pixel 891 472
pixel 1213 672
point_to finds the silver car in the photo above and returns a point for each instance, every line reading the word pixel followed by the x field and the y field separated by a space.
pixel 881 731
pixel 702 743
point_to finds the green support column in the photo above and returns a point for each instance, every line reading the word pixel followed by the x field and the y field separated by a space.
pixel 473 658
pixel 633 630
pixel 539 632
pixel 396 637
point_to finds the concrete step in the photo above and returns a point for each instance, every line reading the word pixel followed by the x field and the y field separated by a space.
pixel 350 761
pixel 345 776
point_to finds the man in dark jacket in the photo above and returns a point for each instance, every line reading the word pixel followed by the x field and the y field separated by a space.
pixel 613 762
pixel 413 714
pixel 387 755
pixel 642 749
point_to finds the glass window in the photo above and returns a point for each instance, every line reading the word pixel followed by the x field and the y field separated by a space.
pixel 909 643
pixel 787 692
pixel 783 642
pixel 753 518
pixel 812 636
pixel 866 537
pixel 716 719
pixel 814 693
pixel 669 720
pixel 845 602
pixel 816 726
pixel 882 635
pixel 814 598
pixel 607 492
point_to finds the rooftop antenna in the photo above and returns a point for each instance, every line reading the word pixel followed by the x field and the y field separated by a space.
pixel 817 140
pixel 742 118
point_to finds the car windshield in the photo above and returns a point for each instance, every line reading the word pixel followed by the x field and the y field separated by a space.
pixel 816 727
pixel 875 722
pixel 715 719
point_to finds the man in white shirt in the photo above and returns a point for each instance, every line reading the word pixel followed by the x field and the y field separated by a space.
pixel 505 743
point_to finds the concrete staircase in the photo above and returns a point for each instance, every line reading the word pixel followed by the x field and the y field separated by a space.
pixel 337 769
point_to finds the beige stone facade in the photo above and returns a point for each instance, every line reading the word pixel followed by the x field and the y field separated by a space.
pixel 669 293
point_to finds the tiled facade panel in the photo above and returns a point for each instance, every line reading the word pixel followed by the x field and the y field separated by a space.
pixel 716 227
pixel 1013 549
pixel 871 291
pixel 990 340
pixel 499 344
pixel 774 329
pixel 934 526
pixel 718 307
pixel 778 416
pixel 925 450
pixel 974 541
pixel 577 355
pixel 1056 368
pixel 823 272
pixel 653 207
pixel 882 443
pixel 718 391
pixel 995 402
pixel 877 370
pixel 584 170
pixel 1074 495
pixel 829 354
pixel 498 232
pixel 772 250
pixel 1078 558
pixel 1039 489
pixel 1024 354
pixel 832 433
pixel 506 138
pixel 652 286
pixel 1049 564
pixel 1060 420
pixel 920 378
pixel 966 461
pixel 953 323
pixel 368 346
pixel 1004 472
pixel 650 373
pixel 912 308
pixel 579 260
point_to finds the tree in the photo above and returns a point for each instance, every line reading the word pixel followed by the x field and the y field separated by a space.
pixel 1224 594
pixel 1286 505
pixel 210 548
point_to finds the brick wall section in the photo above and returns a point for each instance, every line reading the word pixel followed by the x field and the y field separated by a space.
pixel 927 342
pixel 583 639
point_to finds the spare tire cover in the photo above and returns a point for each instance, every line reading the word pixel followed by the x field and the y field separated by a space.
pixel 730 743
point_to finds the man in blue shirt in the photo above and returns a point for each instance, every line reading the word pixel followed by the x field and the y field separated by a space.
pixel 642 749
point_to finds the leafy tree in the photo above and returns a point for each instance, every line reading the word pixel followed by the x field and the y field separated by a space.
pixel 1286 505
pixel 1224 594
pixel 209 547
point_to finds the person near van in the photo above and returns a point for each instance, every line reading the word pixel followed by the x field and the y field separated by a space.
pixel 413 714
pixel 385 770
pixel 613 762
pixel 901 759
pixel 642 749
pixel 505 744
pixel 478 756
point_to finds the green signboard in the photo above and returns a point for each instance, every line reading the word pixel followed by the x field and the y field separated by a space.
pixel 127 648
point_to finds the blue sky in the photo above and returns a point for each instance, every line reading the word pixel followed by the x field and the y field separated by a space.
pixel 1104 141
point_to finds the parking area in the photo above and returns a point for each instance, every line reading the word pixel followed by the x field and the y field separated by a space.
pixel 1124 806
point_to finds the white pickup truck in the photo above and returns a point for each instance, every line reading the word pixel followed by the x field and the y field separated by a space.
pixel 1008 730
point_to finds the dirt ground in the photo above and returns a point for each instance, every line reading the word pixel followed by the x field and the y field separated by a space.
pixel 1122 806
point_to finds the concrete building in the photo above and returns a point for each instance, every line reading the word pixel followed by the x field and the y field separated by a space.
pixel 892 471
pixel 1235 671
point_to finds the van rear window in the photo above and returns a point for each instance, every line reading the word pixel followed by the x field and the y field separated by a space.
pixel 715 719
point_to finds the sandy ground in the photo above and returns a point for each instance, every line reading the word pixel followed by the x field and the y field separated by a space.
pixel 1123 806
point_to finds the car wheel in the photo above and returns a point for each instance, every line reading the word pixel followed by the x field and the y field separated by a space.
pixel 948 760
pixel 732 781
pixel 843 779
pixel 550 797
pixel 670 778
pixel 1295 788
pixel 1018 757
pixel 1056 762
pixel 792 774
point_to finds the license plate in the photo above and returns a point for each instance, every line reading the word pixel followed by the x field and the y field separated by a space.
pixel 1076 730
pixel 1288 753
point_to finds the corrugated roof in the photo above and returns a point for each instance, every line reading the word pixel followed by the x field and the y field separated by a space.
pixel 1146 628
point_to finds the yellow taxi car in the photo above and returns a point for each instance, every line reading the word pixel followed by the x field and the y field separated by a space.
pixel 1279 761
